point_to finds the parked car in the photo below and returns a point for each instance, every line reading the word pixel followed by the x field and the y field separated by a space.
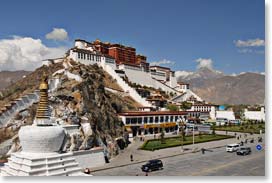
pixel 151 165
pixel 244 151
pixel 232 147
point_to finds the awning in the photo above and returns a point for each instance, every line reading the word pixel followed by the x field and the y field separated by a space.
pixel 128 128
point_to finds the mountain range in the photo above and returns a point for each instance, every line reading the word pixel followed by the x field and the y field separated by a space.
pixel 216 87
pixel 9 77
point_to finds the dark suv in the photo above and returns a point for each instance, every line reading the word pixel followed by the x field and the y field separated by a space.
pixel 151 165
pixel 244 151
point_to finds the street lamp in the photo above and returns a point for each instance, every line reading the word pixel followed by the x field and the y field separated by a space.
pixel 193 134
pixel 181 126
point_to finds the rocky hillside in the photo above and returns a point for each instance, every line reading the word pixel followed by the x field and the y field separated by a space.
pixel 215 87
pixel 82 98
pixel 9 77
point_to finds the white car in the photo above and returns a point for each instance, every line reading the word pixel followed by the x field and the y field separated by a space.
pixel 232 147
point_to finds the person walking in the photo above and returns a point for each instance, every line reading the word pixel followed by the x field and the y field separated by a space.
pixel 87 171
pixel 131 157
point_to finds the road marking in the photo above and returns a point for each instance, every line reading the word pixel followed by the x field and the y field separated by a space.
pixel 225 165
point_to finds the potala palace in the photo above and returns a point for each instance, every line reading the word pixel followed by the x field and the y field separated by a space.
pixel 122 62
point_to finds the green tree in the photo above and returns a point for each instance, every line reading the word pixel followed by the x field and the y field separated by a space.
pixel 163 136
pixel 185 105
pixel 213 129
pixel 172 107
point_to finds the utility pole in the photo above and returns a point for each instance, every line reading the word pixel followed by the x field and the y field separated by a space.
pixel 181 128
pixel 193 134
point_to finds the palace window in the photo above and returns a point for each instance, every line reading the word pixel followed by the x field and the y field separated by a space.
pixel 140 120
pixel 133 120
pixel 171 118
pixel 151 119
pixel 176 118
pixel 145 119
pixel 156 119
pixel 127 120
pixel 161 119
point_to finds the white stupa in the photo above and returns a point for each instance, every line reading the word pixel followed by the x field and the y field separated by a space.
pixel 41 144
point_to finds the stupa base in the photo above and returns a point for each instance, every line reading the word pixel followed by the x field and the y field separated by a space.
pixel 39 164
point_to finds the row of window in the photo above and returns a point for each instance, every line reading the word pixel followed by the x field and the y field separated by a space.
pixel 86 56
pixel 158 73
pixel 133 68
pixel 206 108
pixel 108 60
pixel 152 119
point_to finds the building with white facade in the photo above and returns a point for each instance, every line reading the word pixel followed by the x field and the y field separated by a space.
pixel 186 94
pixel 255 115
pixel 152 122
pixel 229 115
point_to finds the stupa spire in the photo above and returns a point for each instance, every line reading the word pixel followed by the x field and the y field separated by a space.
pixel 43 114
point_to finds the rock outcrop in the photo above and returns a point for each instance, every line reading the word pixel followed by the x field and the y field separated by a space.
pixel 79 98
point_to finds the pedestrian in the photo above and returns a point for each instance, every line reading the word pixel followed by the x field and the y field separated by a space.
pixel 203 150
pixel 154 136
pixel 237 138
pixel 87 171
pixel 131 157
pixel 235 134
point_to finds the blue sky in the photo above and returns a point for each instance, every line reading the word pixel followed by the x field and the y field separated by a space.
pixel 180 31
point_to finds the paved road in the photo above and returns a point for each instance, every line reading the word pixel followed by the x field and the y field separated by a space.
pixel 215 163
pixel 141 155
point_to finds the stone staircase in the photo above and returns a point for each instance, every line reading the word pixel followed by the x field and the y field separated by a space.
pixel 132 92
pixel 15 106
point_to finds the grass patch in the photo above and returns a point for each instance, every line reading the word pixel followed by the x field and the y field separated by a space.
pixel 245 128
pixel 155 144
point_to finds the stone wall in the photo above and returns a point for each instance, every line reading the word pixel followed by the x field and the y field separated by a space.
pixel 90 158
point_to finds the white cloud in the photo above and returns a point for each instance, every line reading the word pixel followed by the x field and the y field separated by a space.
pixel 25 53
pixel 204 63
pixel 248 50
pixel 58 34
pixel 250 43
pixel 163 62
pixel 183 74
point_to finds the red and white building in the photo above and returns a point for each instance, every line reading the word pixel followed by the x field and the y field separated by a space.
pixel 152 122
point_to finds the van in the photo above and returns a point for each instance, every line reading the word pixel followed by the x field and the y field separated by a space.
pixel 232 147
